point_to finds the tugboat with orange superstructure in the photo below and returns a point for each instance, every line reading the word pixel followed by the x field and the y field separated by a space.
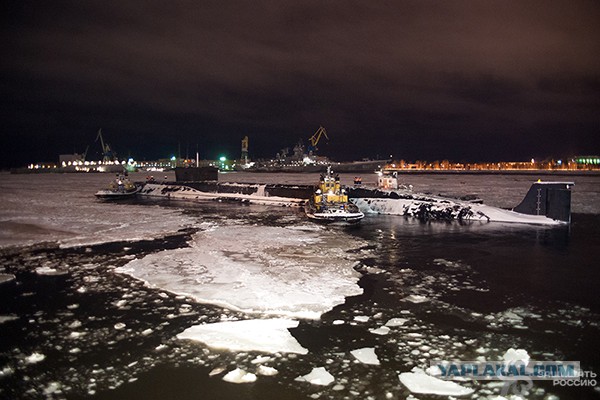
pixel 120 188
pixel 329 203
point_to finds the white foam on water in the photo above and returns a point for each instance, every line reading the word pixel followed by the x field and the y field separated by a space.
pixel 257 269
pixel 366 355
pixel 265 335
pixel 318 376
pixel 419 382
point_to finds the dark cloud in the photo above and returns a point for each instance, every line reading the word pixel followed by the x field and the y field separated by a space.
pixel 460 80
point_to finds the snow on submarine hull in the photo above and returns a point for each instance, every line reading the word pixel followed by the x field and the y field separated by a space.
pixel 546 203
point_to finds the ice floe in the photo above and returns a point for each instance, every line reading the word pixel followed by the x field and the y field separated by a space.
pixel 450 264
pixel 415 298
pixel 396 322
pixel 265 335
pixel 261 359
pixel 53 387
pixel 239 376
pixel 513 355
pixel 266 371
pixel 366 355
pixel 419 382
pixel 7 318
pixel 318 376
pixel 7 278
pixel 382 330
pixel 513 318
pixel 35 358
pixel 6 371
pixel 267 270
pixel 216 371
pixel 49 271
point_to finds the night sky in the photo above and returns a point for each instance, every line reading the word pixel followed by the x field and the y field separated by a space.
pixel 463 80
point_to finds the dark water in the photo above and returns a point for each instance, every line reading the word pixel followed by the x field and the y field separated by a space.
pixel 489 287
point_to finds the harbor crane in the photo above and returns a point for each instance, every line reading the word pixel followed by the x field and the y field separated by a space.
pixel 314 139
pixel 107 153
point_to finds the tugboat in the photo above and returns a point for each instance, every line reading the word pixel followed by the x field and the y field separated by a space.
pixel 120 188
pixel 330 202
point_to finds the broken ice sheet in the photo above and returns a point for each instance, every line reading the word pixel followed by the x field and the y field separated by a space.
pixel 265 335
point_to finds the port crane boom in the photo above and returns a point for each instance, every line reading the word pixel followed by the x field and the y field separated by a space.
pixel 107 154
pixel 314 139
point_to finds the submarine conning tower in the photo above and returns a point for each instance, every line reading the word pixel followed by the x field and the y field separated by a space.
pixel 551 199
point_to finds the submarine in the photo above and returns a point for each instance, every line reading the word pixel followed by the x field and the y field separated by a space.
pixel 546 203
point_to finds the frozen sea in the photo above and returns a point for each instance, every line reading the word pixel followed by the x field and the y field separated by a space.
pixel 207 300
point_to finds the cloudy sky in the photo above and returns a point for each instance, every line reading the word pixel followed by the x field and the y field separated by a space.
pixel 459 80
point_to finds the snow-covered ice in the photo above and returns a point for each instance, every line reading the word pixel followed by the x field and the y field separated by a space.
pixel 7 318
pixel 216 371
pixel 513 355
pixel 261 359
pixel 48 271
pixel 382 330
pixel 53 387
pixel 266 371
pixel 419 382
pixel 35 358
pixel 6 278
pixel 318 376
pixel 415 298
pixel 257 269
pixel 366 355
pixel 396 322
pixel 265 335
pixel 239 376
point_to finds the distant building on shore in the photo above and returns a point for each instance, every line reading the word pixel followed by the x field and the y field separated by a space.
pixel 571 164
pixel 587 160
